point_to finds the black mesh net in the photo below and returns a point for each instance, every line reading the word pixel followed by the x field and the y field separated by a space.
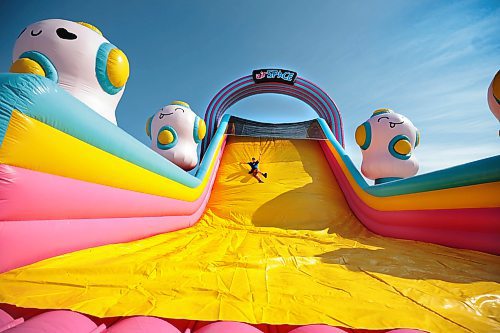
pixel 310 129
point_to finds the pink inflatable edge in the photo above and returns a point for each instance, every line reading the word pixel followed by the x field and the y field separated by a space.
pixel 7 322
pixel 423 225
pixel 66 321
pixel 317 329
pixel 26 196
pixel 60 321
pixel 26 242
pixel 228 327
pixel 143 324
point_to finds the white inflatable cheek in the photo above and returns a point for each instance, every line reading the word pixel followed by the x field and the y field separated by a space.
pixel 383 165
pixel 181 155
pixel 185 156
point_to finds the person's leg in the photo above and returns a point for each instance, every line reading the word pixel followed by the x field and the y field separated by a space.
pixel 256 175
pixel 263 174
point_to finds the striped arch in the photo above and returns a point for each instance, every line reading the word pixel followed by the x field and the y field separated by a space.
pixel 302 89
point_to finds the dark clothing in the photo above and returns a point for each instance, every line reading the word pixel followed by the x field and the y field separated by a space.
pixel 254 165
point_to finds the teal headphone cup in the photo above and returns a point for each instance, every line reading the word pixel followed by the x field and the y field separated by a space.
pixel 195 129
pixel 101 69
pixel 44 61
pixel 364 135
pixel 148 126
pixel 401 155
pixel 166 138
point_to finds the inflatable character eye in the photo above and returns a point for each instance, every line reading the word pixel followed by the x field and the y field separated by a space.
pixel 148 126
pixel 400 147
pixel 364 135
pixel 112 68
pixel 65 34
pixel 167 138
pixel 33 62
pixel 200 129
pixel 417 139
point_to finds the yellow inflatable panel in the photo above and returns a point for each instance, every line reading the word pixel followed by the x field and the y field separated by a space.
pixel 288 251
pixel 61 154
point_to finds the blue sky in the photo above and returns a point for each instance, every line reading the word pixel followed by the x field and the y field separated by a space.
pixel 429 60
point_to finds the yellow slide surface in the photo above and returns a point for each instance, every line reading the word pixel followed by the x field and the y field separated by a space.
pixel 288 251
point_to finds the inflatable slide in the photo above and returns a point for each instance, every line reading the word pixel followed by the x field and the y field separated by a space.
pixel 95 222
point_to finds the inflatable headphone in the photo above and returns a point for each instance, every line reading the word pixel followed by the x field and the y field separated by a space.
pixel 34 62
pixel 363 135
pixel 166 138
pixel 199 130
pixel 111 68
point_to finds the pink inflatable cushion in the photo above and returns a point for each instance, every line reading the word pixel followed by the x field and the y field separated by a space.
pixel 6 321
pixel 5 318
pixel 228 327
pixel 142 324
pixel 58 322
pixel 317 329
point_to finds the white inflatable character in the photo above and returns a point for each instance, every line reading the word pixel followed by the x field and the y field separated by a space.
pixel 176 131
pixel 78 58
pixel 387 141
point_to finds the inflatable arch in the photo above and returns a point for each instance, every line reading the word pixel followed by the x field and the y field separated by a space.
pixel 277 81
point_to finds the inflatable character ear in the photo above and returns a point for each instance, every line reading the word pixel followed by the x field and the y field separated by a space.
pixel 199 130
pixel 364 135
pixel 111 68
pixel 148 126
pixel 381 111
pixel 91 27
pixel 400 147
pixel 417 139
pixel 181 103
pixel 167 138
pixel 33 62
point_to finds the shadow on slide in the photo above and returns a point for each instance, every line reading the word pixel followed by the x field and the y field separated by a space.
pixel 297 209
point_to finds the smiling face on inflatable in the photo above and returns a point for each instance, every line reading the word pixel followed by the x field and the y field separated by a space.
pixel 387 141
pixel 76 56
pixel 175 133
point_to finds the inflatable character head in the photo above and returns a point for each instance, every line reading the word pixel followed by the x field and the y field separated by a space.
pixel 175 133
pixel 76 56
pixel 387 141
pixel 494 96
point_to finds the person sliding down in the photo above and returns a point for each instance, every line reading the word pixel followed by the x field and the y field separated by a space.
pixel 255 170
